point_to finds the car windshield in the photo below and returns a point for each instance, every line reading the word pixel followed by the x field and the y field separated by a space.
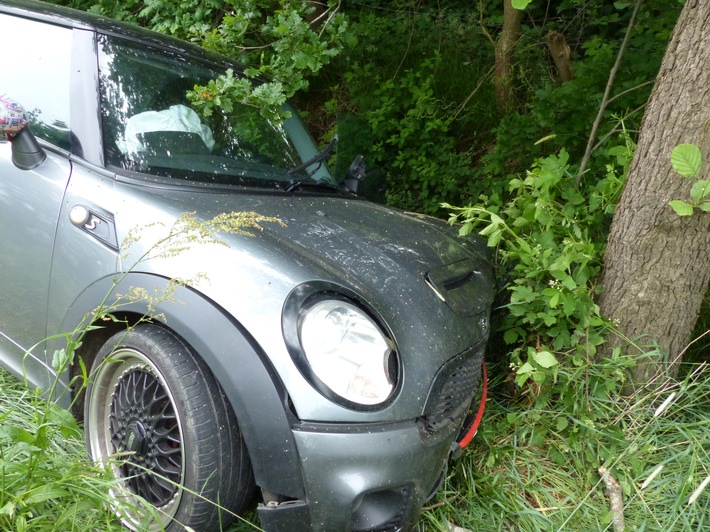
pixel 150 127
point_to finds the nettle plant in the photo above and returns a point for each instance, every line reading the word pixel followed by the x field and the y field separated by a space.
pixel 550 238
pixel 687 160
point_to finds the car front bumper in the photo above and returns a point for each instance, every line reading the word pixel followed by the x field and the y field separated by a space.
pixel 366 477
pixel 362 477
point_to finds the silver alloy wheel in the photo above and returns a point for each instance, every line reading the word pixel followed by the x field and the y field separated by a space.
pixel 136 424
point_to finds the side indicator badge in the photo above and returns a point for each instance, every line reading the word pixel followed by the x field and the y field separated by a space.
pixel 99 226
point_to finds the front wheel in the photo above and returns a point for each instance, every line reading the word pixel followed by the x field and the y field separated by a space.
pixel 154 410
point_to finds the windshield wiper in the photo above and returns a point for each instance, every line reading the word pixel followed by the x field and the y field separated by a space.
pixel 317 158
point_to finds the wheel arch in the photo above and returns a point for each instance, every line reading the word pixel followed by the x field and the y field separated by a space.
pixel 249 381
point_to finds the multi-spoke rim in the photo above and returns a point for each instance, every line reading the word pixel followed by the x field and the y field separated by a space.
pixel 134 416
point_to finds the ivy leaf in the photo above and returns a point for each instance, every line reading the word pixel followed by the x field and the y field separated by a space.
pixel 686 159
pixel 681 208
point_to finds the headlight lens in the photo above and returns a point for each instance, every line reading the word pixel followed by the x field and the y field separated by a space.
pixel 347 351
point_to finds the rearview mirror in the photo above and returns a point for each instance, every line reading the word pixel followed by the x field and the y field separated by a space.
pixel 14 124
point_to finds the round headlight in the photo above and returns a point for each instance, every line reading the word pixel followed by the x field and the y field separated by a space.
pixel 347 351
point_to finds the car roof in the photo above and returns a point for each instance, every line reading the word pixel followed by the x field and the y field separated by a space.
pixel 73 18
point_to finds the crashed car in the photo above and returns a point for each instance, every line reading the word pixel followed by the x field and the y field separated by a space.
pixel 322 355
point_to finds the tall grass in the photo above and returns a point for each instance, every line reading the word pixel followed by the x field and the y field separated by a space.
pixel 535 467
pixel 46 480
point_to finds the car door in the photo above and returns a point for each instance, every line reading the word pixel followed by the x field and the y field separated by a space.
pixel 36 73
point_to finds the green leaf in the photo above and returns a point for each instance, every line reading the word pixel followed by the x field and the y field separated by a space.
pixel 544 359
pixel 561 423
pixel 44 493
pixel 494 239
pixel 510 336
pixel 67 424
pixel 705 206
pixel 489 229
pixel 681 208
pixel 700 190
pixel 523 373
pixel 686 160
pixel 496 219
pixel 520 4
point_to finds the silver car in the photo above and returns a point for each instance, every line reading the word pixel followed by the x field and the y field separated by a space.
pixel 251 327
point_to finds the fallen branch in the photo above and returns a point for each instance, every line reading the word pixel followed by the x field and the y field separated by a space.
pixel 616 499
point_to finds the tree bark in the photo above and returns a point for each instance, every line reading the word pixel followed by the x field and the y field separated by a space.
pixel 657 264
pixel 561 55
pixel 505 47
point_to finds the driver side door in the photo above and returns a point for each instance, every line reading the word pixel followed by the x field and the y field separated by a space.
pixel 36 73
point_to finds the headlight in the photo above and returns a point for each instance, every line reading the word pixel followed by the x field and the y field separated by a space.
pixel 347 351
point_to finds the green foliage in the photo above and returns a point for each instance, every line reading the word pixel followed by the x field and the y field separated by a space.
pixel 47 482
pixel 281 44
pixel 687 160
pixel 534 467
pixel 410 139
pixel 400 103
pixel 420 69
pixel 550 238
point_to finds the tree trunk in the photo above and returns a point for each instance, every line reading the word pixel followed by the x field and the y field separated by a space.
pixel 657 264
pixel 505 47
pixel 561 55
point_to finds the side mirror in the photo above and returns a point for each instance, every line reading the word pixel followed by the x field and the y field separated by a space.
pixel 14 124
pixel 355 175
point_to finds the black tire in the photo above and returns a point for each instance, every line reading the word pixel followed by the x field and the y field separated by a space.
pixel 152 398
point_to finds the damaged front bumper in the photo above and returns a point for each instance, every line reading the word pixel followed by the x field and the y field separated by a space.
pixel 369 477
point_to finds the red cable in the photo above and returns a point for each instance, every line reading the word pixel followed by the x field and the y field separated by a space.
pixel 479 415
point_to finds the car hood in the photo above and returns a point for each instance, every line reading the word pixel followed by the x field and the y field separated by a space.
pixel 371 246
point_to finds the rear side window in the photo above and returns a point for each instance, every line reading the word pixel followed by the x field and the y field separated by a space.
pixel 36 67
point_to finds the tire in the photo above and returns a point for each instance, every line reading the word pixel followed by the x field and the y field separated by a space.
pixel 156 405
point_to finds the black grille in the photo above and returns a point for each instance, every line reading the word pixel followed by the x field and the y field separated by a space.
pixel 452 392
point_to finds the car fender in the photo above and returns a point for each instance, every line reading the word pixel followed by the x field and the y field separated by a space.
pixel 243 370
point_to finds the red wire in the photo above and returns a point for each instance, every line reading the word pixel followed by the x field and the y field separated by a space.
pixel 479 415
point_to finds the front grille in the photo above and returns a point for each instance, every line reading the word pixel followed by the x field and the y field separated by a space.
pixel 452 392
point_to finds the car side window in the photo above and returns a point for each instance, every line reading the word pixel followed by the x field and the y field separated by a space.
pixel 36 70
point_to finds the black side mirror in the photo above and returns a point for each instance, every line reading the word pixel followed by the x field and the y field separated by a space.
pixel 355 175
pixel 14 124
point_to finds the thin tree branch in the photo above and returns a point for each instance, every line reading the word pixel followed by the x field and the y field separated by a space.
pixel 480 23
pixel 617 128
pixel 484 79
pixel 605 98
pixel 637 87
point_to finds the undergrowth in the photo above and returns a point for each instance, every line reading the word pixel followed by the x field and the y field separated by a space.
pixel 46 479
pixel 535 467
pixel 562 411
